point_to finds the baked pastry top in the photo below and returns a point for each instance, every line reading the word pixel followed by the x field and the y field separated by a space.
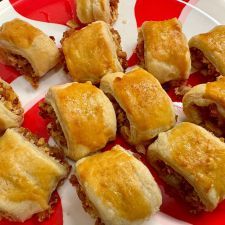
pixel 198 156
pixel 91 52
pixel 211 46
pixel 148 108
pixel 27 49
pixel 165 50
pixel 28 175
pixel 92 10
pixel 122 189
pixel 86 116
pixel 215 91
pixel 204 104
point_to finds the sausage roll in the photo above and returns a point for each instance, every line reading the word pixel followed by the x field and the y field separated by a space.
pixel 163 50
pixel 92 10
pixel 30 171
pixel 11 111
pixel 92 52
pixel 204 104
pixel 208 52
pixel 192 161
pixel 27 49
pixel 142 107
pixel 116 188
pixel 82 118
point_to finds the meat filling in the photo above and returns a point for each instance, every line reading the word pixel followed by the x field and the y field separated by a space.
pixel 87 205
pixel 121 117
pixel 54 127
pixel 20 64
pixel 58 155
pixel 200 62
pixel 10 99
pixel 182 187
pixel 122 56
pixel 114 9
pixel 212 119
pixel 140 49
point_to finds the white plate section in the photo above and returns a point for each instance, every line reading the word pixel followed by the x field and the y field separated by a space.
pixel 195 20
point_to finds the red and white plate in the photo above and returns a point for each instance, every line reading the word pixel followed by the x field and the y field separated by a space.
pixel 51 16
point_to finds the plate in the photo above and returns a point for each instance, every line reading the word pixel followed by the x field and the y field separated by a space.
pixel 51 16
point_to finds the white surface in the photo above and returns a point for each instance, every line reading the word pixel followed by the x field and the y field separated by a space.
pixel 215 8
pixel 126 26
pixel 194 21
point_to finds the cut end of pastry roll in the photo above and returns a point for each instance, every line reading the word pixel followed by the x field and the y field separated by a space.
pixel 27 49
pixel 163 50
pixel 89 11
pixel 30 171
pixel 82 118
pixel 204 104
pixel 122 190
pixel 192 161
pixel 207 52
pixel 92 52
pixel 142 107
pixel 11 111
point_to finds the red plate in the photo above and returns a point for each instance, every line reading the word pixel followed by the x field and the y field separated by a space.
pixel 60 11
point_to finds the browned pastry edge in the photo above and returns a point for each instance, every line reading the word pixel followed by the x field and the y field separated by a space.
pixel 121 55
pixel 140 54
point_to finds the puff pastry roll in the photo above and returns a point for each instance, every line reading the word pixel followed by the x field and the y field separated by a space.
pixel 163 50
pixel 82 118
pixel 122 190
pixel 192 161
pixel 204 104
pixel 92 52
pixel 11 111
pixel 30 171
pixel 92 10
pixel 208 52
pixel 142 107
pixel 27 49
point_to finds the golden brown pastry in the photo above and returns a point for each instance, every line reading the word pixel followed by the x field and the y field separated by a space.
pixel 82 118
pixel 27 49
pixel 92 52
pixel 11 111
pixel 116 188
pixel 192 161
pixel 208 52
pixel 142 106
pixel 163 50
pixel 204 104
pixel 92 10
pixel 30 171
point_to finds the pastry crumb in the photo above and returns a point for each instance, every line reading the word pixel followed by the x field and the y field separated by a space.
pixel 72 24
pixel 182 90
